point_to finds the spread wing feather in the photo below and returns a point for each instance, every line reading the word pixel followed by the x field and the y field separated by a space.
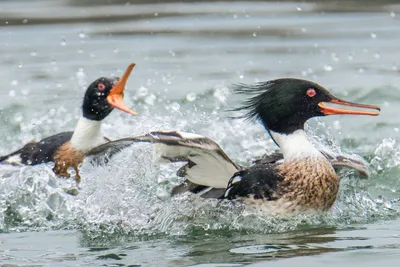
pixel 207 164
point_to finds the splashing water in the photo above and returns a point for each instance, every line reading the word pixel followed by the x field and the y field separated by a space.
pixel 131 193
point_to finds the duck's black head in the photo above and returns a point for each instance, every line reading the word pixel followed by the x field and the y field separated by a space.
pixel 284 105
pixel 105 94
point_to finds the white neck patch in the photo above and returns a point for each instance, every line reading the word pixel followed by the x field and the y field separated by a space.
pixel 295 145
pixel 87 135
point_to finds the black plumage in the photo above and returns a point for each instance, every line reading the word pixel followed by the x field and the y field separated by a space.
pixel 34 153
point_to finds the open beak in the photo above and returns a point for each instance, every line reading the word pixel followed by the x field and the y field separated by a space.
pixel 334 111
pixel 116 94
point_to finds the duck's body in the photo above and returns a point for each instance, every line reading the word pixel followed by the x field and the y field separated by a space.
pixel 34 153
pixel 68 149
pixel 304 180
pixel 301 178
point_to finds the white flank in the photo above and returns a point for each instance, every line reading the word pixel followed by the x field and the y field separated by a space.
pixel 14 160
pixel 295 145
pixel 87 135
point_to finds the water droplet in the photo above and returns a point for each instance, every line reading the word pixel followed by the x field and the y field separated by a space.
pixel 254 34
pixel 373 35
pixel 328 68
pixel 82 35
pixel 12 93
pixel 81 77
pixel 80 51
pixel 24 21
pixel 20 65
pixel 33 54
pixel 71 171
pixel 6 22
pixel 221 94
pixel 350 57
pixel 155 14
pixel 241 76
pixel 29 162
pixel 18 117
pixel 392 14
pixel 380 200
pixel 334 57
pixel 337 125
pixel 376 55
pixel 191 97
pixel 172 53
pixel 394 68
pixel 14 83
pixel 63 42
pixel 387 204
pixel 304 73
pixel 298 8
pixel 303 30
pixel 116 51
pixel 150 99
pixel 175 106
pixel 235 16
pixel 142 92
pixel 360 70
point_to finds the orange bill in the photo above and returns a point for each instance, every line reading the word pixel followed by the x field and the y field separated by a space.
pixel 116 94
pixel 335 111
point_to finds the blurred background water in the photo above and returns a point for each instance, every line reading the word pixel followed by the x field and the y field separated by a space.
pixel 187 54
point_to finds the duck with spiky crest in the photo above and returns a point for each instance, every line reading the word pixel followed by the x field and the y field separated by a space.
pixel 301 178
pixel 68 149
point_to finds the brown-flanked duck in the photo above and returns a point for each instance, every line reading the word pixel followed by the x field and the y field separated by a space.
pixel 68 149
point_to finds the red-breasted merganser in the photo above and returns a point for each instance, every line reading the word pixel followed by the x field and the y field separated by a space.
pixel 300 179
pixel 68 149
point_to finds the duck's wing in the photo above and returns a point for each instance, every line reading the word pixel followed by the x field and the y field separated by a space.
pixel 339 162
pixel 257 183
pixel 207 165
pixel 37 152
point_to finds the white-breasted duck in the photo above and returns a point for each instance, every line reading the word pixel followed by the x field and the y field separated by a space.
pixel 301 178
pixel 68 149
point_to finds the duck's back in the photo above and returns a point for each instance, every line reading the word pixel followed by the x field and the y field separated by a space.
pixel 37 152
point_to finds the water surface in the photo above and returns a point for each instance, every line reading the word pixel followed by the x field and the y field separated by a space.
pixel 187 55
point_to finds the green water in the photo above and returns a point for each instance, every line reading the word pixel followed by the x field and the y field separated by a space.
pixel 187 55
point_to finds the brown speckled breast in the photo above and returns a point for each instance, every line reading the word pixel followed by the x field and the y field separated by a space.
pixel 66 157
pixel 309 184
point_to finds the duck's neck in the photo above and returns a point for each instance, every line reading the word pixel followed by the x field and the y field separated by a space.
pixel 87 135
pixel 295 146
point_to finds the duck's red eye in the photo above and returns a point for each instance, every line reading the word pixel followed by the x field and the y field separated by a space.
pixel 311 92
pixel 101 86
